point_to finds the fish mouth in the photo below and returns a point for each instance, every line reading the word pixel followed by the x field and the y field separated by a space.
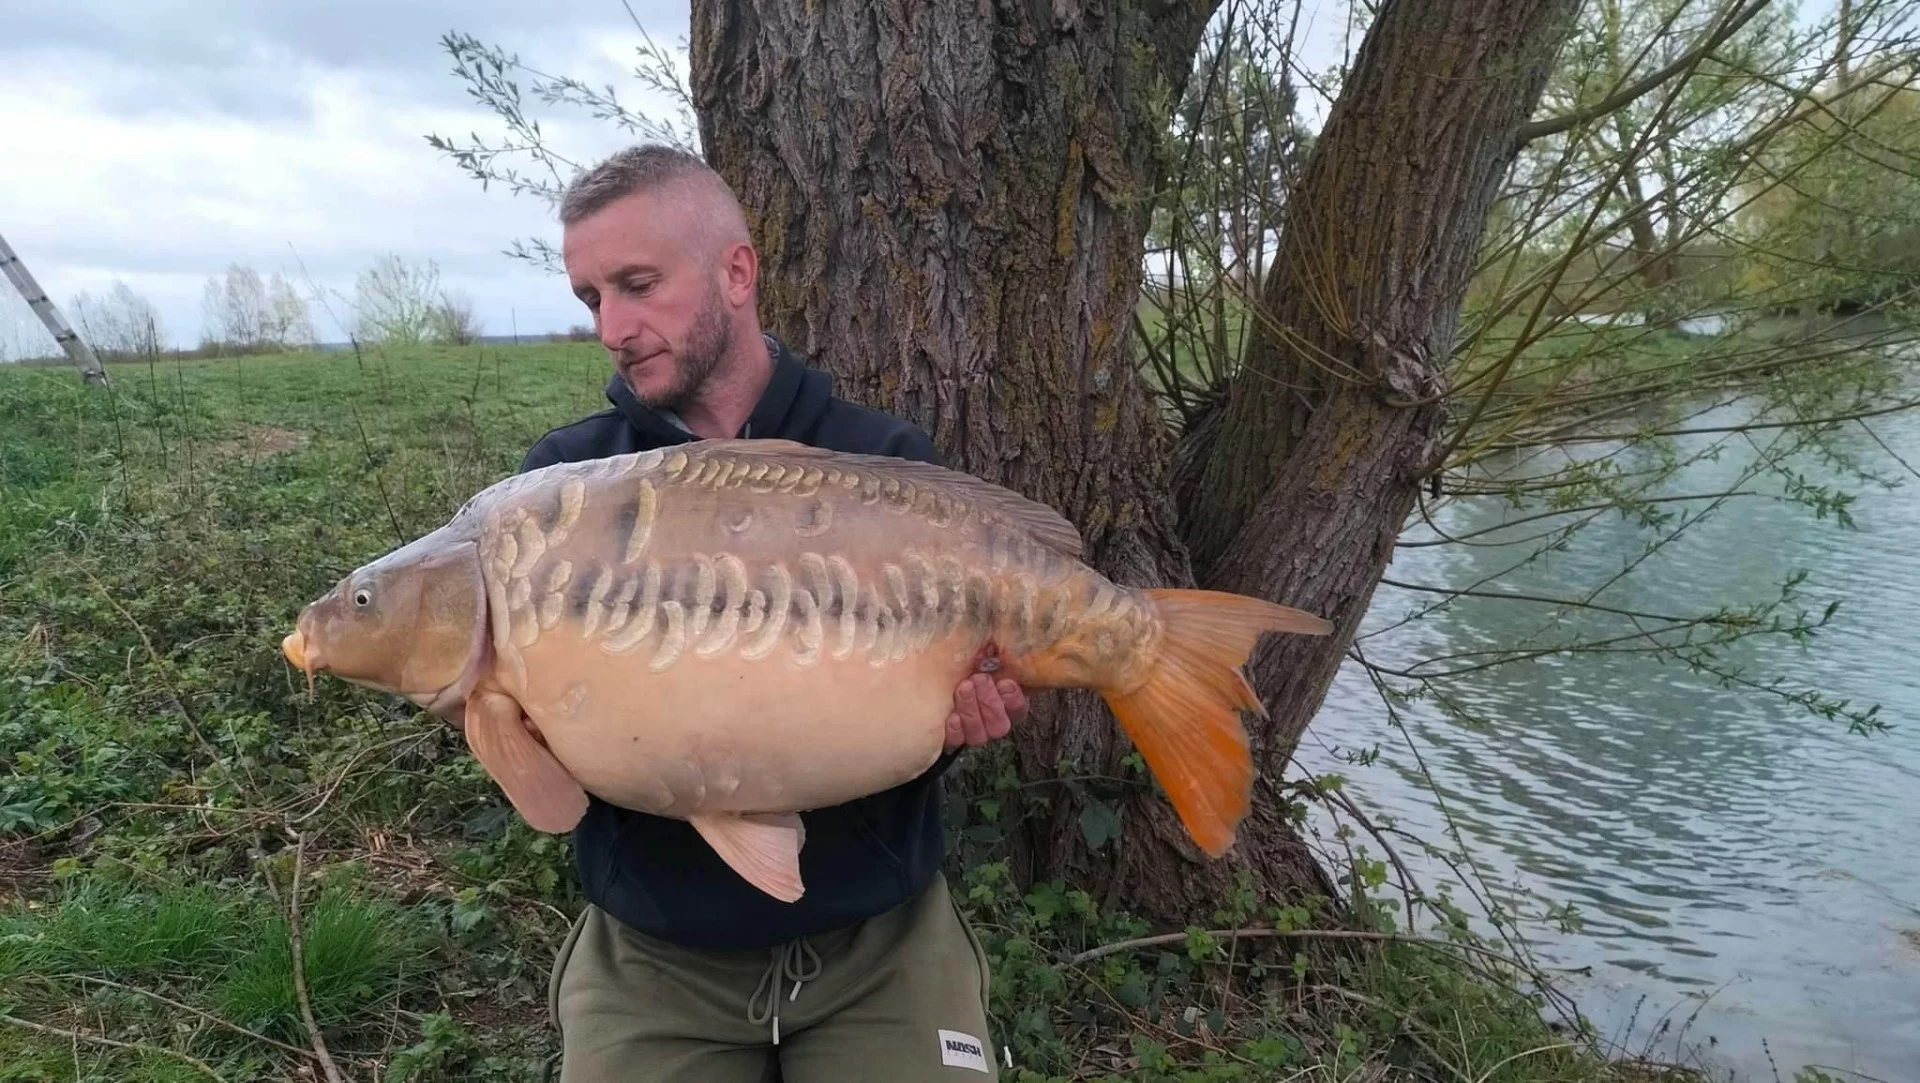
pixel 294 646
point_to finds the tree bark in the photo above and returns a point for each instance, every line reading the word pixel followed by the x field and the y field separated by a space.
pixel 950 202
pixel 1299 487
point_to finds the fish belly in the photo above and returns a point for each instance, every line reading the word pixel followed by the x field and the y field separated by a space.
pixel 755 627
pixel 730 735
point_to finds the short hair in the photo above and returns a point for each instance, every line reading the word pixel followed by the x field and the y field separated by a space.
pixel 640 168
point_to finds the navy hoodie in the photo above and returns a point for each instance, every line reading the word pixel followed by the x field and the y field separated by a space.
pixel 656 874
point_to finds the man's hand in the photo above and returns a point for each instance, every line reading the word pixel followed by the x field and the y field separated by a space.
pixel 984 710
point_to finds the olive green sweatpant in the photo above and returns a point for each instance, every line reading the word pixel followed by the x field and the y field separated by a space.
pixel 898 998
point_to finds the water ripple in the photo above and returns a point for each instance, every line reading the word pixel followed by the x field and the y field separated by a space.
pixel 1715 839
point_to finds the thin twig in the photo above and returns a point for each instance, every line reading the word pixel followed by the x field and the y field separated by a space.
pixel 1883 446
pixel 1621 98
pixel 208 1016
pixel 160 668
pixel 299 966
pixel 1450 539
pixel 1605 437
pixel 341 778
pixel 1165 1032
pixel 1367 825
pixel 1407 1022
pixel 137 1047
pixel 1504 1061
pixel 1573 603
pixel 1305 934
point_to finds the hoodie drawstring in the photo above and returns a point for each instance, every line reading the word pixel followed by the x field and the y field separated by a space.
pixel 796 962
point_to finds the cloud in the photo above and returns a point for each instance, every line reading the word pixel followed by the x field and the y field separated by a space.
pixel 157 141
pixel 208 50
pixel 156 144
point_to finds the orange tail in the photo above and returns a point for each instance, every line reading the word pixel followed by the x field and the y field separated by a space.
pixel 1185 717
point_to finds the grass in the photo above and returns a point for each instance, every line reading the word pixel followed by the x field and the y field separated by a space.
pixel 168 785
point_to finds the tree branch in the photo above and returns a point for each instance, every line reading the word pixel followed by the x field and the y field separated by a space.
pixel 159 668
pixel 1180 23
pixel 1752 426
pixel 1626 95
pixel 1570 603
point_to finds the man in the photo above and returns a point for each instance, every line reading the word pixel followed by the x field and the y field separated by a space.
pixel 679 969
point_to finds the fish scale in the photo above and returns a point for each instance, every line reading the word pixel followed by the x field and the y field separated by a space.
pixel 734 632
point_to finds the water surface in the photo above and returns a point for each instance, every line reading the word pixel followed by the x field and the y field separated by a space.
pixel 1730 854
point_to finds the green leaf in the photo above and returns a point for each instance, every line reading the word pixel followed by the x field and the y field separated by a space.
pixel 1099 823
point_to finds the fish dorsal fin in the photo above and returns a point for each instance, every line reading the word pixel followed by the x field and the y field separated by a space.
pixel 763 848
pixel 1047 526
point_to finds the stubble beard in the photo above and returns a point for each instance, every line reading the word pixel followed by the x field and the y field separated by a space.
pixel 708 341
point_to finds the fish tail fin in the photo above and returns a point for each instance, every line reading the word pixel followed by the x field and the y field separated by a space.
pixel 1184 717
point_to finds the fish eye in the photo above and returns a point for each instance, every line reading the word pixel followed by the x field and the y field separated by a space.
pixel 363 598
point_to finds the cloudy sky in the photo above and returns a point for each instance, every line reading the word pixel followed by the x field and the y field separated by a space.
pixel 156 141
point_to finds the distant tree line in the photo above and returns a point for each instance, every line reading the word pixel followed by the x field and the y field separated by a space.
pixel 239 313
pixel 402 304
pixel 395 302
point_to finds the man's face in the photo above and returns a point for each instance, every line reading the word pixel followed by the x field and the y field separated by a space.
pixel 659 302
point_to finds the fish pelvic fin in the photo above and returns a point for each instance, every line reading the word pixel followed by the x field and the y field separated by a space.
pixel 1184 717
pixel 763 848
pixel 540 789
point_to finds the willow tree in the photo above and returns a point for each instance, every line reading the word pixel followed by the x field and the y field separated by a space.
pixel 950 203
pixel 951 207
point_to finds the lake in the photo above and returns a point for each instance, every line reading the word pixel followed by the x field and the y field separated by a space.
pixel 1744 868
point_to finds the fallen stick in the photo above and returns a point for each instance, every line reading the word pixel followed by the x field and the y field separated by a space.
pixel 74 1035
pixel 208 1016
pixel 1304 934
pixel 299 964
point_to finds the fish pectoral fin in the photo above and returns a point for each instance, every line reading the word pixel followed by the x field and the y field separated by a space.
pixel 549 798
pixel 763 848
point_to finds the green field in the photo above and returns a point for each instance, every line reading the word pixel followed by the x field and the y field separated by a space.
pixel 147 792
pixel 167 787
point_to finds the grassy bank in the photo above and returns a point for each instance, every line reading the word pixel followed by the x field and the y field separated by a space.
pixel 173 807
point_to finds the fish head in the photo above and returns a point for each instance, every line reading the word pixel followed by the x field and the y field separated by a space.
pixel 412 623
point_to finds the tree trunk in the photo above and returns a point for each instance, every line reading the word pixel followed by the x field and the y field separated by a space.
pixel 1649 254
pixel 1300 485
pixel 1630 149
pixel 950 203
